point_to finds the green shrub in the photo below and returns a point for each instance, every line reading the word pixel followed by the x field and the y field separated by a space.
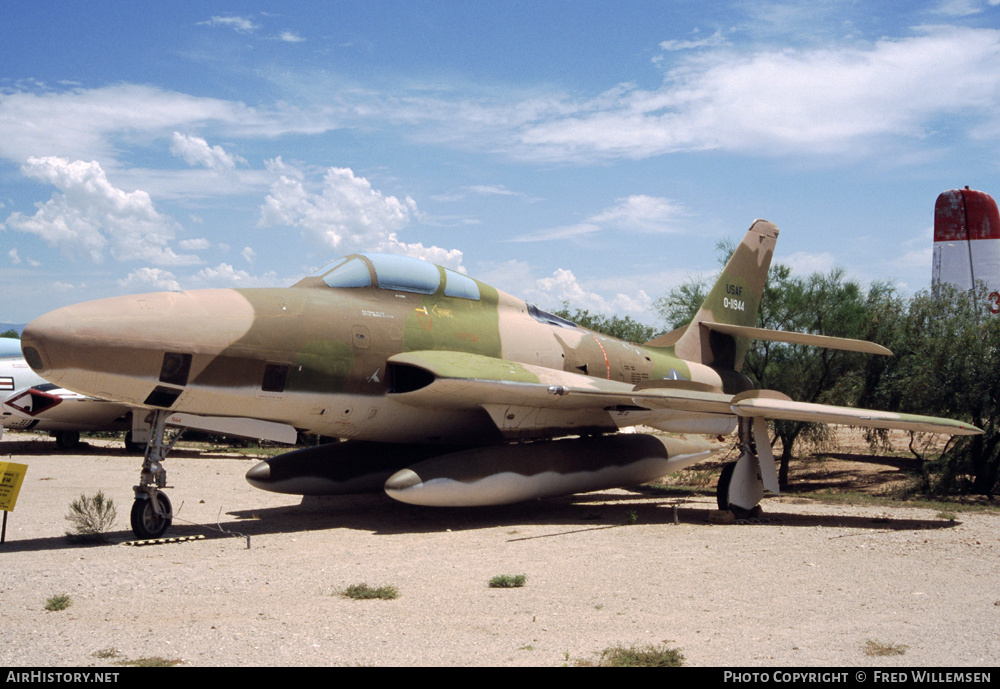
pixel 646 656
pixel 91 517
pixel 506 581
pixel 56 603
pixel 365 592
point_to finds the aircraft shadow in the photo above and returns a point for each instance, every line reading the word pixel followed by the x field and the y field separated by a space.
pixel 380 515
pixel 84 449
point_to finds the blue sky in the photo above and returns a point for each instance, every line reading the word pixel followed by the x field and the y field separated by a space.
pixel 588 152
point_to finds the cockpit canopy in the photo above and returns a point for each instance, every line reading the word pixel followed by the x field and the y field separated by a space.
pixel 408 274
pixel 398 273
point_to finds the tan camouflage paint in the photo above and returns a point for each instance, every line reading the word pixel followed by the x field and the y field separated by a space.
pixel 323 359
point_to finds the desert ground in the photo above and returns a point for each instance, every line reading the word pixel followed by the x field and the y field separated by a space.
pixel 806 584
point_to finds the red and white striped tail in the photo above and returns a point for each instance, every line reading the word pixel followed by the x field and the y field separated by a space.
pixel 967 242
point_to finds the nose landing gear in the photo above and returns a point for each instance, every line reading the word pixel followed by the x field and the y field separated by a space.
pixel 152 513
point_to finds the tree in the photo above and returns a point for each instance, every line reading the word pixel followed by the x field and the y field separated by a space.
pixel 11 333
pixel 822 303
pixel 947 351
pixel 615 326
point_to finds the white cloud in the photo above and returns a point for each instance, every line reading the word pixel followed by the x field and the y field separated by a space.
pixel 196 151
pixel 559 233
pixel 518 278
pixel 564 286
pixel 248 254
pixel 790 101
pixel 290 37
pixel 199 244
pixel 87 124
pixel 449 258
pixel 226 275
pixel 805 263
pixel 14 258
pixel 959 8
pixel 89 215
pixel 714 41
pixel 636 213
pixel 835 99
pixel 223 273
pixel 346 214
pixel 237 24
pixel 641 213
pixel 147 278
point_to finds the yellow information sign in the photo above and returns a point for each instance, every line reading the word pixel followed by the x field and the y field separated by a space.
pixel 11 475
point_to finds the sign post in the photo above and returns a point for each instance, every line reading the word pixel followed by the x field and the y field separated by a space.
pixel 11 476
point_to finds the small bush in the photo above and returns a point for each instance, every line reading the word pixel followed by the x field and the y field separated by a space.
pixel 56 603
pixel 91 517
pixel 506 581
pixel 646 656
pixel 155 661
pixel 877 648
pixel 366 592
pixel 106 653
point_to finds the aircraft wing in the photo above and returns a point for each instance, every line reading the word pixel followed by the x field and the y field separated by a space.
pixel 534 401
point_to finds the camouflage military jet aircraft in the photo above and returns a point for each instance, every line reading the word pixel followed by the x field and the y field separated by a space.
pixel 446 390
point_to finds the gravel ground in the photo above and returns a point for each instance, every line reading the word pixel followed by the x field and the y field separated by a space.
pixel 806 585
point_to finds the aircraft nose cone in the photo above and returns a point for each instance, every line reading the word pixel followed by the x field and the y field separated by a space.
pixel 44 336
pixel 118 348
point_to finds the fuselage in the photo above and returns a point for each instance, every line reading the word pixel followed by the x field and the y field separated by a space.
pixel 316 355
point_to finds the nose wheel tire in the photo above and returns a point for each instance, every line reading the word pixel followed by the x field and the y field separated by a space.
pixel 146 523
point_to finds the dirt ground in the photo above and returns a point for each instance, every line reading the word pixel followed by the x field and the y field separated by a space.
pixel 807 584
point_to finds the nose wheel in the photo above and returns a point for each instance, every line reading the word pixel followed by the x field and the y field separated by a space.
pixel 151 516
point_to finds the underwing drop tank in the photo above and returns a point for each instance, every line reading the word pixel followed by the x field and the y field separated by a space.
pixel 472 476
pixel 340 468
pixel 504 474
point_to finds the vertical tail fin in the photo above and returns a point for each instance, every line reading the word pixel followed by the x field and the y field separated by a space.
pixel 967 243
pixel 734 300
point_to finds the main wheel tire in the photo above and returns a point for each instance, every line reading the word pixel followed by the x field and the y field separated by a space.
pixel 67 440
pixel 146 523
pixel 722 491
pixel 132 446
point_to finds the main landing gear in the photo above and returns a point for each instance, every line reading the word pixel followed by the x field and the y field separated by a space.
pixel 742 483
pixel 152 513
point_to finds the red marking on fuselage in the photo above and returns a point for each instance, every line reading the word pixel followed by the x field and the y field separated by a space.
pixel 607 363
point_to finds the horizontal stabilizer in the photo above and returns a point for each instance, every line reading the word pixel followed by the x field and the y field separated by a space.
pixel 841 343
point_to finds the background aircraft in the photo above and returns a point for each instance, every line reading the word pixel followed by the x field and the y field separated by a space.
pixel 967 242
pixel 448 391
pixel 29 402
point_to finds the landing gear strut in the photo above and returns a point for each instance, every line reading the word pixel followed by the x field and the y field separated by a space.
pixel 152 513
pixel 742 483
